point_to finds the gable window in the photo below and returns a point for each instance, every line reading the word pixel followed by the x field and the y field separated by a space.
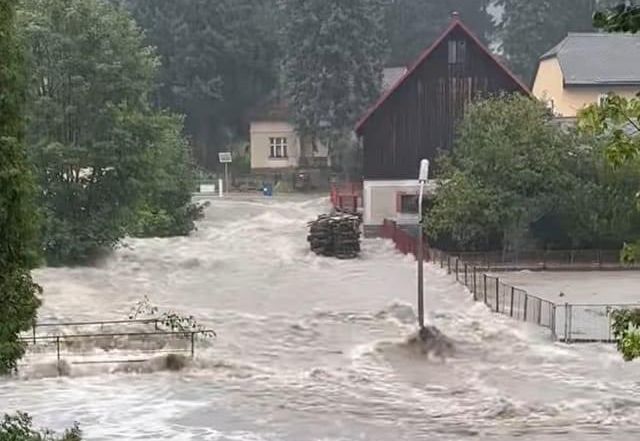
pixel 278 148
pixel 457 51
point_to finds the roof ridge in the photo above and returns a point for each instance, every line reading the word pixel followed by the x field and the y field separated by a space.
pixel 456 22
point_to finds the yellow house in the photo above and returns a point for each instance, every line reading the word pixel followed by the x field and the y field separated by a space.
pixel 584 67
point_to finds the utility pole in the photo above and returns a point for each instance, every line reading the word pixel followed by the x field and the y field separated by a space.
pixel 422 178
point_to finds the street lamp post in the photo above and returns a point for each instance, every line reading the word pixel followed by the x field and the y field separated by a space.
pixel 422 178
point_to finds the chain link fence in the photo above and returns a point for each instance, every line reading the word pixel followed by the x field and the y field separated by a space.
pixel 570 323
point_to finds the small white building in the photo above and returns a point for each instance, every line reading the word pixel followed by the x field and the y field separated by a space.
pixel 276 146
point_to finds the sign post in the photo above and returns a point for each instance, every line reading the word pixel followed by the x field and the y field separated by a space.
pixel 422 178
pixel 226 158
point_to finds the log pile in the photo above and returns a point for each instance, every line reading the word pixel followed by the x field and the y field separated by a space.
pixel 335 235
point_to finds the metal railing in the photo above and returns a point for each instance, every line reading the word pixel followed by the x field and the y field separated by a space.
pixel 84 346
pixel 570 323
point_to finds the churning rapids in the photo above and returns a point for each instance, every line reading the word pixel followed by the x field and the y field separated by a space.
pixel 311 348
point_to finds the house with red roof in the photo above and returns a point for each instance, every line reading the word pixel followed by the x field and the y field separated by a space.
pixel 418 116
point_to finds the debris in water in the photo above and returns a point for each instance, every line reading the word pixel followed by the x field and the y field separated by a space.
pixel 430 341
pixel 335 235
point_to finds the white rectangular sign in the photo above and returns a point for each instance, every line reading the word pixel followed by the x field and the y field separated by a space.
pixel 225 157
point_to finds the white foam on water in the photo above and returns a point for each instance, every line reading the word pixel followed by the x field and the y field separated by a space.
pixel 310 348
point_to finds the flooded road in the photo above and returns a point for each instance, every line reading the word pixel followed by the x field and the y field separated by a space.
pixel 311 348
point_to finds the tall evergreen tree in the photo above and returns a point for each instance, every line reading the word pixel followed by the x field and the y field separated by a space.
pixel 334 53
pixel 530 28
pixel 18 301
pixel 413 25
pixel 218 58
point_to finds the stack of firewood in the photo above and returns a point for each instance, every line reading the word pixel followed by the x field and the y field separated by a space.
pixel 335 235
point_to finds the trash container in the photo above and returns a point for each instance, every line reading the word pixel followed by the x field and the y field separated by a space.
pixel 267 190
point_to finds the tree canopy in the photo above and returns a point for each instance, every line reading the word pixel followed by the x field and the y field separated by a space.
pixel 530 28
pixel 93 136
pixel 334 52
pixel 18 300
pixel 218 59
pixel 516 180
pixel 412 25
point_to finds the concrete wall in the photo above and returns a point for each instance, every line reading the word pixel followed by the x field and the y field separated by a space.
pixel 567 101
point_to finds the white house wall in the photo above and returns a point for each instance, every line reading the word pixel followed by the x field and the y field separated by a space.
pixel 261 132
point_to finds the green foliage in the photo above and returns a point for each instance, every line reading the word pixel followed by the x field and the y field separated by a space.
pixel 413 25
pixel 503 175
pixel 334 52
pixel 516 180
pixel 624 17
pixel 218 59
pixel 531 28
pixel 20 428
pixel 166 208
pixel 625 327
pixel 103 157
pixel 168 319
pixel 18 300
pixel 616 121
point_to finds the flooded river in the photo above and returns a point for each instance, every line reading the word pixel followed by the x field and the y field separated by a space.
pixel 311 348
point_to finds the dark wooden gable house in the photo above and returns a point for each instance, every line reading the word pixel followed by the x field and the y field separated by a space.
pixel 418 117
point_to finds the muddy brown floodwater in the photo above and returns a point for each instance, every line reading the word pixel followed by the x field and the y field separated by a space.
pixel 311 348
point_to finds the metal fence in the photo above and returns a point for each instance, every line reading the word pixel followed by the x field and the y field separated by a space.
pixel 546 260
pixel 100 342
pixel 570 323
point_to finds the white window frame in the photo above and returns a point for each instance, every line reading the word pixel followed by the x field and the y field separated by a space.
pixel 278 147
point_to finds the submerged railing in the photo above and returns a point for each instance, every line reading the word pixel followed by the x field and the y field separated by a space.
pixel 75 344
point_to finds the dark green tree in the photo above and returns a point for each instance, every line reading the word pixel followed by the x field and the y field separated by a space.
pixel 413 25
pixel 218 59
pixel 516 180
pixel 625 17
pixel 94 138
pixel 530 28
pixel 334 53
pixel 18 293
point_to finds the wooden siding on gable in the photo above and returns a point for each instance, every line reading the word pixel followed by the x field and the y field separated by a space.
pixel 420 116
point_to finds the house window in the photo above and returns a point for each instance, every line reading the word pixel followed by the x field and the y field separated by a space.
pixel 602 99
pixel 278 147
pixel 408 204
pixel 457 51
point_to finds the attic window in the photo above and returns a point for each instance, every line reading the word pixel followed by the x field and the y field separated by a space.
pixel 457 51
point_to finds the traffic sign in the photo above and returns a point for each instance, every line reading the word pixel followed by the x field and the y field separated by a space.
pixel 225 157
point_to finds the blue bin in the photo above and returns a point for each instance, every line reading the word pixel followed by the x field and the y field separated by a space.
pixel 267 190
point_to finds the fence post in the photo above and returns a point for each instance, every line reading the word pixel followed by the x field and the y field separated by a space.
pixel 34 332
pixel 566 323
pixel 539 311
pixel 526 304
pixel 553 322
pixel 466 283
pixel 512 294
pixel 193 344
pixel 485 287
pixel 58 354
pixel 457 261
pixel 475 285
pixel 570 320
pixel 448 264
pixel 497 294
